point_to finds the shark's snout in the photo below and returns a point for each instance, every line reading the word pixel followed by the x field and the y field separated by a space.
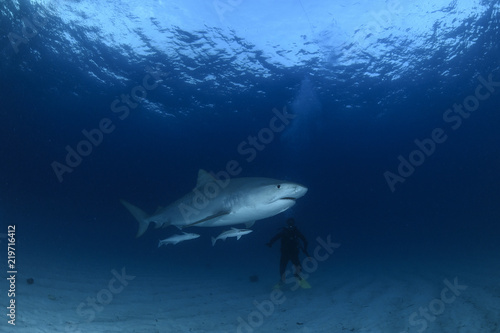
pixel 301 191
pixel 297 192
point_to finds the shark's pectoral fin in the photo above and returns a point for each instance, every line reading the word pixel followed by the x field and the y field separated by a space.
pixel 210 217
pixel 249 224
pixel 238 237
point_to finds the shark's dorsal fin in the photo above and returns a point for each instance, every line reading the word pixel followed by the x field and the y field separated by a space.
pixel 204 177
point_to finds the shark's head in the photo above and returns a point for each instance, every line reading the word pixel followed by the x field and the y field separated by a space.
pixel 270 196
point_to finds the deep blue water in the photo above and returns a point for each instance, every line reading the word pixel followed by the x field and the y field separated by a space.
pixel 364 79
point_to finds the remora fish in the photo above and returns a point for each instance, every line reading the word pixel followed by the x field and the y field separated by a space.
pixel 233 232
pixel 220 202
pixel 177 239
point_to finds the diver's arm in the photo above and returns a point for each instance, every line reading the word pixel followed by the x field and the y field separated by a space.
pixel 304 240
pixel 274 239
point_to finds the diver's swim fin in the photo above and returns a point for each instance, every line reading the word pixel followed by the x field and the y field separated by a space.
pixel 304 284
pixel 278 285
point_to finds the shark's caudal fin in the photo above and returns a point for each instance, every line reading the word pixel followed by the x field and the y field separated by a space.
pixel 139 215
pixel 213 241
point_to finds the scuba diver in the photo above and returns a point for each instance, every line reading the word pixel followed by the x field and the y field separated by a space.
pixel 290 248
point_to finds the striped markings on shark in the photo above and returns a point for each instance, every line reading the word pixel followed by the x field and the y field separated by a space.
pixel 218 202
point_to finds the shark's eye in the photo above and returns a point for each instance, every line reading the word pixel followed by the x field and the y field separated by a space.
pixel 278 186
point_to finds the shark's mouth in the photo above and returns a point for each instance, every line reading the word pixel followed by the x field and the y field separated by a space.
pixel 288 198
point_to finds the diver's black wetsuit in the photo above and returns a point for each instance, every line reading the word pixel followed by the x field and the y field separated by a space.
pixel 290 247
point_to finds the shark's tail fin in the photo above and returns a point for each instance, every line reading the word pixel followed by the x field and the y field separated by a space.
pixel 214 240
pixel 139 215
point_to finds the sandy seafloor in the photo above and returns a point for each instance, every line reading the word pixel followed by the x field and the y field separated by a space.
pixel 350 293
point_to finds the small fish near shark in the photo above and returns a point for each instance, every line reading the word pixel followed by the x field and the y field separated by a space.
pixel 177 239
pixel 219 202
pixel 233 232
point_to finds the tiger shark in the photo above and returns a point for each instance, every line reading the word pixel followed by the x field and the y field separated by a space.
pixel 215 202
